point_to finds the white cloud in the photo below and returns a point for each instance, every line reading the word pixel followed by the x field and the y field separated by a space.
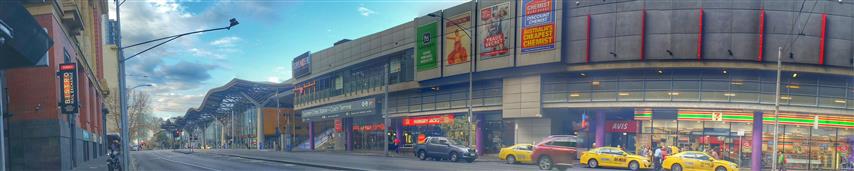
pixel 226 41
pixel 274 79
pixel 365 11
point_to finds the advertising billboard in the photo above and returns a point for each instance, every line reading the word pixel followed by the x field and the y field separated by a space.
pixel 68 88
pixel 302 65
pixel 346 109
pixel 538 25
pixel 496 32
pixel 426 50
pixel 457 40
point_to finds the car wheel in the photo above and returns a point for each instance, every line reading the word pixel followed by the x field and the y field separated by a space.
pixel 455 157
pixel 545 163
pixel 422 155
pixel 592 163
pixel 511 159
pixel 676 167
pixel 720 168
pixel 634 165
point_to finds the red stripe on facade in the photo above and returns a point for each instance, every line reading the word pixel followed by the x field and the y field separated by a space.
pixel 643 35
pixel 587 56
pixel 700 37
pixel 761 34
pixel 823 38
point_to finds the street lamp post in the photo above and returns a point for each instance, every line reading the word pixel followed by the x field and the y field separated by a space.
pixel 122 77
pixel 777 108
pixel 471 70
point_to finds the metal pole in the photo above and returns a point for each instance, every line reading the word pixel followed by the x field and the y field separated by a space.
pixel 471 70
pixel 386 121
pixel 278 119
pixel 777 109
pixel 2 127
pixel 232 129
pixel 122 87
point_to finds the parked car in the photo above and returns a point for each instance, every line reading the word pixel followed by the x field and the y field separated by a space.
pixel 614 157
pixel 556 151
pixel 519 153
pixel 696 160
pixel 440 148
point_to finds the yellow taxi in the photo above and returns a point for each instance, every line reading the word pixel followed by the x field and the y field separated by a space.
pixel 519 153
pixel 696 160
pixel 613 157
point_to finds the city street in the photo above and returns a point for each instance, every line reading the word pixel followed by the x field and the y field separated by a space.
pixel 267 160
pixel 169 160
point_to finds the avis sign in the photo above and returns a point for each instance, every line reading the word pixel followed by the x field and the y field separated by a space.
pixel 68 88
pixel 621 126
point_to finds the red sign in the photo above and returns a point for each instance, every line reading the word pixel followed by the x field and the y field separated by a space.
pixel 338 125
pixel 621 126
pixel 371 127
pixel 429 120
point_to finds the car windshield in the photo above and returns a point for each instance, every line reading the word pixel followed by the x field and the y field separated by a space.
pixel 452 142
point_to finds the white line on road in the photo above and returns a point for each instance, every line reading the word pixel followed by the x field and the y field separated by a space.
pixel 179 162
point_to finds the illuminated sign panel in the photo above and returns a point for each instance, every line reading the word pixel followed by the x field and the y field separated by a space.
pixel 68 88
pixel 302 65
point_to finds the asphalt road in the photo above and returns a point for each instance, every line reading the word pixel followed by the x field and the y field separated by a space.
pixel 368 162
pixel 159 160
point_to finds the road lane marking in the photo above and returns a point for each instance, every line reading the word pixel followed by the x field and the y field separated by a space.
pixel 179 162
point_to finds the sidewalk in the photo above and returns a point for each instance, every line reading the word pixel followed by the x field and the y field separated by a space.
pixel 100 164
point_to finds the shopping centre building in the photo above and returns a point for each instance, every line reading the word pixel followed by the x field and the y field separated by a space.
pixel 697 75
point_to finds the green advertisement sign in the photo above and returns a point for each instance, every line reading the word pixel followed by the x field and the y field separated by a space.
pixel 426 49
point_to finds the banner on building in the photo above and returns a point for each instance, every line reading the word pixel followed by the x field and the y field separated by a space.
pixel 68 88
pixel 429 120
pixel 302 65
pixel 457 40
pixel 426 51
pixel 496 32
pixel 621 126
pixel 538 25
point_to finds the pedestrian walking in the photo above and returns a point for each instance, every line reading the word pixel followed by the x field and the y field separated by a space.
pixel 781 160
pixel 656 159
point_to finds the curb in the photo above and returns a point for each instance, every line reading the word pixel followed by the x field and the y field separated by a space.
pixel 291 162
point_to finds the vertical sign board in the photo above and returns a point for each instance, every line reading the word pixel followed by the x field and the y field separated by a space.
pixel 302 65
pixel 68 88
pixel 428 41
pixel 539 32
pixel 457 45
pixel 495 34
pixel 426 49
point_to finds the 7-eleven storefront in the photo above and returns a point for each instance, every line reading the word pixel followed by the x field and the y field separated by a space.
pixel 809 141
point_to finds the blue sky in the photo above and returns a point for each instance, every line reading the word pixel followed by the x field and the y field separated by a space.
pixel 271 33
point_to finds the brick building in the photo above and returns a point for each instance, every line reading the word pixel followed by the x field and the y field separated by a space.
pixel 39 136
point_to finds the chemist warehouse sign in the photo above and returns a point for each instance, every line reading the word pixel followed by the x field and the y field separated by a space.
pixel 538 25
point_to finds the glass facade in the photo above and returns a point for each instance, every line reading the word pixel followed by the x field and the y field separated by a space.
pixel 358 78
pixel 456 128
pixel 485 93
pixel 806 148
pixel 700 85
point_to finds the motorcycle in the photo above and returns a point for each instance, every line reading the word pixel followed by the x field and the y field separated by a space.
pixel 113 162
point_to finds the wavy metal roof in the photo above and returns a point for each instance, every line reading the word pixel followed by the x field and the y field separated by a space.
pixel 238 95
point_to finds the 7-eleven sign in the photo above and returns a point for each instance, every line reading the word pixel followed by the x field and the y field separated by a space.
pixel 717 116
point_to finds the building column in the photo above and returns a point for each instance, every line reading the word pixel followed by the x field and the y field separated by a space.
pixel 259 131
pixel 348 133
pixel 599 125
pixel 398 129
pixel 478 135
pixel 311 135
pixel 756 144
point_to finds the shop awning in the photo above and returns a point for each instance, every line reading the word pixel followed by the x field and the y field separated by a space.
pixel 25 42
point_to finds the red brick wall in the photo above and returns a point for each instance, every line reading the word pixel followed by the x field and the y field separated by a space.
pixel 29 87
